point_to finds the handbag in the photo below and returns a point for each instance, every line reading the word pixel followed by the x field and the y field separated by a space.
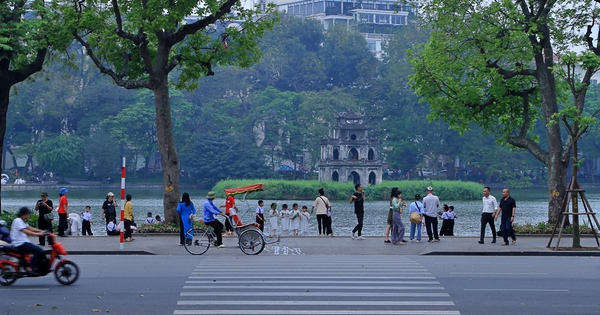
pixel 49 216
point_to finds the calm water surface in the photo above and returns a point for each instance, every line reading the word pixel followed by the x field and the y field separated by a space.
pixel 531 207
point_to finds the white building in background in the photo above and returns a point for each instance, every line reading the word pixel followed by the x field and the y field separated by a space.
pixel 374 19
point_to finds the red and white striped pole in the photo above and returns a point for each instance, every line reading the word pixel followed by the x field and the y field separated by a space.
pixel 122 236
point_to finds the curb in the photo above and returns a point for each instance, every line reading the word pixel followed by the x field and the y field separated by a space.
pixel 520 253
pixel 109 252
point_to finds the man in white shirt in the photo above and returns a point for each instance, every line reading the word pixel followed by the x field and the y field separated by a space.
pixel 431 204
pixel 18 233
pixel 488 216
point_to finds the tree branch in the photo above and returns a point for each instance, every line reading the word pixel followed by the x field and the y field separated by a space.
pixel 175 60
pixel 34 66
pixel 119 79
pixel 119 31
pixel 189 29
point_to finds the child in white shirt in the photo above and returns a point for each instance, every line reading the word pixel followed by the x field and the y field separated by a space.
pixel 86 221
pixel 304 218
pixel 285 219
pixel 273 214
pixel 149 219
pixel 295 219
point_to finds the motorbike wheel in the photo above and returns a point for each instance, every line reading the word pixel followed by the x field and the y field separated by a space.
pixel 66 272
pixel 8 274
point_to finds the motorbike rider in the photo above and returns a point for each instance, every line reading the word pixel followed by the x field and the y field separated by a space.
pixel 19 231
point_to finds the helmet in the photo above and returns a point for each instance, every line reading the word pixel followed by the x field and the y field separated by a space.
pixel 24 211
pixel 2 223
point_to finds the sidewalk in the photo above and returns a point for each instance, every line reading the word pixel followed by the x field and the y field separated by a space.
pixel 461 246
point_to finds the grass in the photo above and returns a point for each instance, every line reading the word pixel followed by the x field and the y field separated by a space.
pixel 164 227
pixel 307 189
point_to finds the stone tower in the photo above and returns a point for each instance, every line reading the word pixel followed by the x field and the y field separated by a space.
pixel 350 155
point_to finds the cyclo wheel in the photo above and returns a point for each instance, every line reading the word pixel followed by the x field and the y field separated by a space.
pixel 252 242
pixel 197 241
pixel 66 272
pixel 8 274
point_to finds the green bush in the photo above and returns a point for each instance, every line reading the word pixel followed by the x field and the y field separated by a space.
pixel 9 217
pixel 307 190
pixel 545 228
pixel 164 227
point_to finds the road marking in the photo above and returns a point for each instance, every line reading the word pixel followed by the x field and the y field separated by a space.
pixel 323 294
pixel 258 283
pixel 321 303
pixel 498 273
pixel 318 288
pixel 310 312
pixel 32 289
pixel 288 280
pixel 479 263
pixel 522 290
pixel 283 277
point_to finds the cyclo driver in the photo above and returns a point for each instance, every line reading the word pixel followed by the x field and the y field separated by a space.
pixel 210 210
pixel 19 231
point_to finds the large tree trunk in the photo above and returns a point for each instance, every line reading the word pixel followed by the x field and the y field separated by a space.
pixel 4 99
pixel 166 147
pixel 557 185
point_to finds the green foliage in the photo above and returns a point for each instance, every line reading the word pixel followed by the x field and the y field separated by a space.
pixel 308 190
pixel 165 227
pixel 62 154
pixel 9 217
pixel 545 228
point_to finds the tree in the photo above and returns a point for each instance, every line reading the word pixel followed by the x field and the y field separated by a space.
pixel 139 44
pixel 494 64
pixel 27 31
pixel 62 154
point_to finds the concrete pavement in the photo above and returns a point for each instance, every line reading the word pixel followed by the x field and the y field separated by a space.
pixel 168 245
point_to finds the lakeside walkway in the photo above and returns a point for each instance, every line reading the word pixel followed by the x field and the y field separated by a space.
pixel 460 246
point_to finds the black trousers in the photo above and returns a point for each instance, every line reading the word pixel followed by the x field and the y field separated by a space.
pixel 127 224
pixel 260 220
pixel 322 222
pixel 46 226
pixel 62 224
pixel 329 229
pixel 431 225
pixel 358 228
pixel 507 229
pixel 487 218
pixel 218 226
pixel 86 227
pixel 181 232
pixel 228 226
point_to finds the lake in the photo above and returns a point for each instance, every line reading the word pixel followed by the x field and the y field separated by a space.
pixel 531 207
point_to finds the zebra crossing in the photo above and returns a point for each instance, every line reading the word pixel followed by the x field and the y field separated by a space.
pixel 313 285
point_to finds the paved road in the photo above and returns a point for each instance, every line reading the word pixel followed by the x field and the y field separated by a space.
pixel 286 282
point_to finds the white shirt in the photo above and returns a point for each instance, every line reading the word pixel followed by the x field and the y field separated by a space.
pixel 86 216
pixel 16 232
pixel 321 204
pixel 489 204
pixel 431 204
pixel 111 226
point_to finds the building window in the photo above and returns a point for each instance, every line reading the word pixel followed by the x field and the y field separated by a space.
pixel 353 137
pixel 353 154
pixel 371 155
pixel 336 154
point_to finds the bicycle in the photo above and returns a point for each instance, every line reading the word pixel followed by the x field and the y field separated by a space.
pixel 250 239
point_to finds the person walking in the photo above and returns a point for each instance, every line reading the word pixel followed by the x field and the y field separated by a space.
pixel 397 207
pixel 358 198
pixel 210 210
pixel 508 208
pixel 44 206
pixel 322 205
pixel 415 214
pixel 260 215
pixel 229 204
pixel 431 203
pixel 488 216
pixel 109 207
pixel 186 211
pixel 63 209
pixel 128 219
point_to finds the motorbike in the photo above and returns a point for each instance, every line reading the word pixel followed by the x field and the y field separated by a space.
pixel 13 262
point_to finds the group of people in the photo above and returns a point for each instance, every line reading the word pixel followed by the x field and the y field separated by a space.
pixel 293 221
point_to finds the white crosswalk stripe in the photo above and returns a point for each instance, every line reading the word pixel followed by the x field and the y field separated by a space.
pixel 313 285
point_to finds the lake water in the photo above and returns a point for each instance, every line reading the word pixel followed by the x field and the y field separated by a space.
pixel 531 207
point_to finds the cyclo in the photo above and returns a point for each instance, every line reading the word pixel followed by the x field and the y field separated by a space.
pixel 13 262
pixel 251 239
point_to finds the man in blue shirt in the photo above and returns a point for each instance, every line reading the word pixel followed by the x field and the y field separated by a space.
pixel 210 210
